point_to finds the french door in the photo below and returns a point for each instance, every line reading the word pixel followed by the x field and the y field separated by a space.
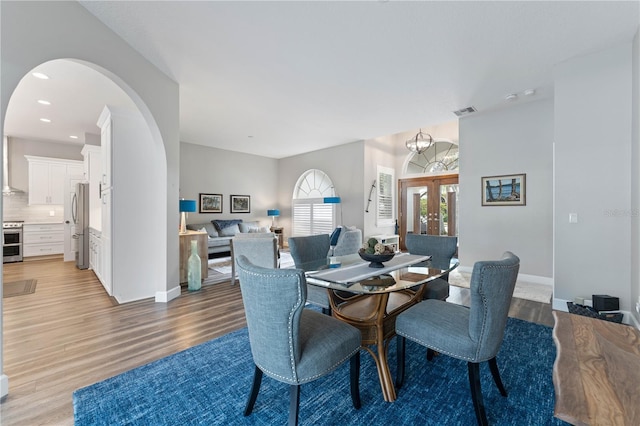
pixel 428 205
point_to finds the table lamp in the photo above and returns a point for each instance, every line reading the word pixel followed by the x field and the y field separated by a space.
pixel 273 213
pixel 185 207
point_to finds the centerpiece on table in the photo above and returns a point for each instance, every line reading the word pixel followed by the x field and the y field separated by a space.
pixel 376 253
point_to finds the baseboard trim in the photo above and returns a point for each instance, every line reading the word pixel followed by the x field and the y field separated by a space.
pixel 4 385
pixel 166 296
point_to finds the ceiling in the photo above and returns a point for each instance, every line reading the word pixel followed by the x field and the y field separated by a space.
pixel 282 78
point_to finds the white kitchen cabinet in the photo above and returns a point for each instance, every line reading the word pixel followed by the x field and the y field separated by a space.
pixel 93 174
pixel 95 253
pixel 105 122
pixel 125 140
pixel 47 177
pixel 43 239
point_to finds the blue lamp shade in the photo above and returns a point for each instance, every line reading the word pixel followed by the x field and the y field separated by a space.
pixel 332 200
pixel 274 212
pixel 188 206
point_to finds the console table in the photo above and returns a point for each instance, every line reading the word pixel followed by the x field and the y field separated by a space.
pixel 597 371
pixel 185 252
pixel 389 240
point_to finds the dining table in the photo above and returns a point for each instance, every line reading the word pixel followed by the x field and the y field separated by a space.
pixel 371 298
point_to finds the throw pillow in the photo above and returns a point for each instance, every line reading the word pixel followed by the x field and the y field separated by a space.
pixel 221 224
pixel 334 236
pixel 245 226
pixel 229 231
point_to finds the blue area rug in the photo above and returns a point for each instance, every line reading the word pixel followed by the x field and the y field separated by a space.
pixel 209 383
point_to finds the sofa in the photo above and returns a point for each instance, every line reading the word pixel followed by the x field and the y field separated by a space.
pixel 220 233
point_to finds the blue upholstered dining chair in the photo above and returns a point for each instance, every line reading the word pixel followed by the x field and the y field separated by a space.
pixel 309 253
pixel 261 248
pixel 289 343
pixel 441 249
pixel 471 334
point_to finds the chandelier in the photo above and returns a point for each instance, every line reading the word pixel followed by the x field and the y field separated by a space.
pixel 419 143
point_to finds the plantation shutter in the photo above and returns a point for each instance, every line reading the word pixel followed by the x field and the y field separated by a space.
pixel 312 216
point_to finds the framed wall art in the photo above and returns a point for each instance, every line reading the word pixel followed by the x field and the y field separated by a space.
pixel 505 190
pixel 210 203
pixel 240 204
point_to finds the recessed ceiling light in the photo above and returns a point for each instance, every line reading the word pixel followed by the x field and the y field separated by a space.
pixel 40 75
pixel 43 102
pixel 511 97
pixel 73 137
pixel 529 92
pixel 46 120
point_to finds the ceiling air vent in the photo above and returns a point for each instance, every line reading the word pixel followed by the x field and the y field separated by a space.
pixel 465 111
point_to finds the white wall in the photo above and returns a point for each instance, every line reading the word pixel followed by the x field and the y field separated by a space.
pixel 593 127
pixel 344 165
pixel 378 152
pixel 217 171
pixel 635 178
pixel 35 32
pixel 512 140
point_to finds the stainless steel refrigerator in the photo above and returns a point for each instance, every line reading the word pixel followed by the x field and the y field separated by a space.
pixel 80 215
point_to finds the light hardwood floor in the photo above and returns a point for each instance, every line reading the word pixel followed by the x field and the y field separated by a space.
pixel 70 334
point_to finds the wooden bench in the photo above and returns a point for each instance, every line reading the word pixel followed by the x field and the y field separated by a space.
pixel 596 374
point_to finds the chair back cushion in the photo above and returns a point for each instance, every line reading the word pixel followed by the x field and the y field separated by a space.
pixel 260 251
pixel 440 248
pixel 273 302
pixel 492 284
pixel 309 252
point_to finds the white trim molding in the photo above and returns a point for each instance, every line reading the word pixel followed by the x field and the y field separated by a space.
pixel 166 296
pixel 4 385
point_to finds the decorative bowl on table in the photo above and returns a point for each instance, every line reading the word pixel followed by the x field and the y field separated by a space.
pixel 376 260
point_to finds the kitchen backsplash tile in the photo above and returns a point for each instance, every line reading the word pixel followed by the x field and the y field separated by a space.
pixel 16 207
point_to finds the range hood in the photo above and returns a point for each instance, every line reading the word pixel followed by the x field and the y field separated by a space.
pixel 6 189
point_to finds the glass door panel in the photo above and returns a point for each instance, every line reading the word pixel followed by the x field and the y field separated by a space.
pixel 421 213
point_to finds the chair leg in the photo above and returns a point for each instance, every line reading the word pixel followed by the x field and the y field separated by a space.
pixel 430 354
pixel 354 376
pixel 400 347
pixel 476 393
pixel 493 365
pixel 255 388
pixel 294 395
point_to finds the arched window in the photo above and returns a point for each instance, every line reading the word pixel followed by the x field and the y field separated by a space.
pixel 442 156
pixel 310 213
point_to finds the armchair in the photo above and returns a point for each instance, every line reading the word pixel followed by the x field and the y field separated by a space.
pixel 349 242
pixel 289 343
pixel 471 334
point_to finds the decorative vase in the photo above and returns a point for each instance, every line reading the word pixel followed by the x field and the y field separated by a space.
pixel 194 271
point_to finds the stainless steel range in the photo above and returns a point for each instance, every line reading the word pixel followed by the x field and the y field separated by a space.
pixel 12 241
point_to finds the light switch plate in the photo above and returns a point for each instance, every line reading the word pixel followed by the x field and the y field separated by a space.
pixel 573 217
